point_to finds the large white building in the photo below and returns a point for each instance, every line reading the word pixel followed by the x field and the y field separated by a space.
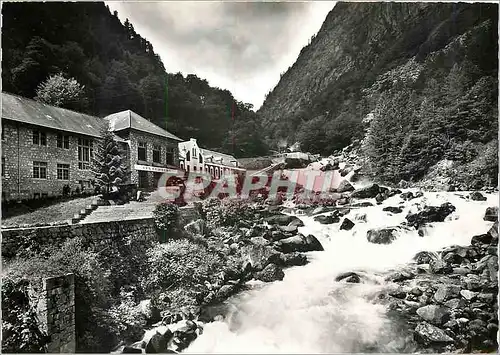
pixel 192 158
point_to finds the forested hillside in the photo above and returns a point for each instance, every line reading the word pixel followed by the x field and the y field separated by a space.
pixel 120 71
pixel 427 73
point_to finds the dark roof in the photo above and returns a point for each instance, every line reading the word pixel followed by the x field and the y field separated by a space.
pixel 29 111
pixel 129 119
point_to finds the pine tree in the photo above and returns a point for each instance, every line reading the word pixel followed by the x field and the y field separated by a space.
pixel 108 163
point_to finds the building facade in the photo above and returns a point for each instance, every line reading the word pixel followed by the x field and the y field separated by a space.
pixel 46 149
pixel 151 150
pixel 192 158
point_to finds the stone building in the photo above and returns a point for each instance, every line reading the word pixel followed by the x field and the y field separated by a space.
pixel 151 149
pixel 45 148
pixel 192 158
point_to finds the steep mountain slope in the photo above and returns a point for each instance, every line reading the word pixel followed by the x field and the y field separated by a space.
pixel 120 70
pixel 394 60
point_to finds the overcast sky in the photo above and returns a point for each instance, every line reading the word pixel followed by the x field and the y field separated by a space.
pixel 239 46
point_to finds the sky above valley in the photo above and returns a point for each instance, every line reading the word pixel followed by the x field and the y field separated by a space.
pixel 239 46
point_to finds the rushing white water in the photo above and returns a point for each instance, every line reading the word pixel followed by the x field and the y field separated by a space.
pixel 308 312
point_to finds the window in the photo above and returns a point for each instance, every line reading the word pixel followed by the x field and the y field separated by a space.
pixel 170 156
pixel 39 170
pixel 156 154
pixel 62 141
pixel 3 166
pixel 201 159
pixel 39 138
pixel 188 156
pixel 194 153
pixel 85 153
pixel 142 151
pixel 62 171
pixel 3 132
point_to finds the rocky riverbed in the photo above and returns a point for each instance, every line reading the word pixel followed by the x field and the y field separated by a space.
pixel 381 269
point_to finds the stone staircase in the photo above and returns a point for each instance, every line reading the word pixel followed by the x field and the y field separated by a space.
pixel 77 217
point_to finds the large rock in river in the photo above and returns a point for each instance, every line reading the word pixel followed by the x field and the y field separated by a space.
pixel 384 235
pixel 345 186
pixel 491 214
pixel 327 219
pixel 258 255
pixel 299 243
pixel 430 214
pixel 271 272
pixel 369 191
pixel 283 220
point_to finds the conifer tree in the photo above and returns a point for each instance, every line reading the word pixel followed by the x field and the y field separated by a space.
pixel 108 163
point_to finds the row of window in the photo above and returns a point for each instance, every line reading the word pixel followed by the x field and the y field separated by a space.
pixel 85 147
pixel 214 171
pixel 200 157
pixel 142 153
pixel 40 138
pixel 40 170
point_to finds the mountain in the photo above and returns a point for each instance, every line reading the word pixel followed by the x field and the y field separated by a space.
pixel 120 70
pixel 426 74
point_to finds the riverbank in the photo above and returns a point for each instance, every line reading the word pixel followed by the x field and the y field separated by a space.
pixel 314 309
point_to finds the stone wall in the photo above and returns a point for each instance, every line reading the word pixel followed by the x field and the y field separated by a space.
pixel 99 235
pixel 95 234
pixel 55 306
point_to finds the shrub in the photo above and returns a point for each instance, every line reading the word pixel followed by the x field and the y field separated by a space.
pixel 126 319
pixel 166 216
pixel 226 212
pixel 180 263
pixel 20 328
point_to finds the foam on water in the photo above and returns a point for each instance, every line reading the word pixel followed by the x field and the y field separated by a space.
pixel 308 312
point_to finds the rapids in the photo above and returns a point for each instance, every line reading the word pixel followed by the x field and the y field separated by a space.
pixel 308 312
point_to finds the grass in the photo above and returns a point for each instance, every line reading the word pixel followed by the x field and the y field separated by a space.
pixel 58 212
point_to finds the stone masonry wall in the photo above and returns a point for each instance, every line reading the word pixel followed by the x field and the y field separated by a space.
pixel 99 235
pixel 55 305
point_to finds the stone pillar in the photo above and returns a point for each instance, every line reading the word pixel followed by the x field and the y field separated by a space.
pixel 56 311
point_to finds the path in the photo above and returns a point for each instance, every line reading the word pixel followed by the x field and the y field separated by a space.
pixel 129 211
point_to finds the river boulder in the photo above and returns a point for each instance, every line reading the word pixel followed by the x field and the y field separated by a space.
pixel 282 220
pixel 477 196
pixel 392 209
pixel 491 214
pixel 287 260
pixel 345 186
pixel 407 196
pixel 258 255
pixel 347 224
pixel 327 219
pixel 350 277
pixel 384 235
pixel 424 257
pixel 158 342
pixel 430 214
pixel 369 191
pixel 271 272
pixel 299 243
pixel 434 314
pixel 428 334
